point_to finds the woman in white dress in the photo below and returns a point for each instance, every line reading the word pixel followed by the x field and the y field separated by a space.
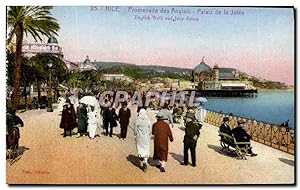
pixel 92 122
pixel 142 134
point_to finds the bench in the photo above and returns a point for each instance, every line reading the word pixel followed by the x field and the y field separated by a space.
pixel 227 141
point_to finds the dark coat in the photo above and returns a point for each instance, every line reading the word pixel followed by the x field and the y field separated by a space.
pixel 225 129
pixel 103 108
pixel 13 120
pixel 67 119
pixel 82 119
pixel 162 133
pixel 12 132
pixel 241 134
pixel 110 116
pixel 73 116
pixel 192 132
pixel 124 117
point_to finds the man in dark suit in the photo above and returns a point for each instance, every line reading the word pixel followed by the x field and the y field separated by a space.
pixel 241 135
pixel 224 128
pixel 110 119
pixel 192 133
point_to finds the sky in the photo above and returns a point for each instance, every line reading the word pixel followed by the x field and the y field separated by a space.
pixel 258 41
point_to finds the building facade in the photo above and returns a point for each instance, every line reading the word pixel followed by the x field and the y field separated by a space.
pixel 120 77
pixel 216 78
pixel 86 65
pixel 52 48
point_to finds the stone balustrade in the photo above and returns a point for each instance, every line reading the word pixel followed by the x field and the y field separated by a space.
pixel 275 136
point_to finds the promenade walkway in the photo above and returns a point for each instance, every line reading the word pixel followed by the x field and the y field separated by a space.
pixel 48 158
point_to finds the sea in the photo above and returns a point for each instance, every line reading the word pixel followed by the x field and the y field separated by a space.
pixel 273 107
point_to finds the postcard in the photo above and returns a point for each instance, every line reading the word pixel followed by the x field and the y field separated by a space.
pixel 147 95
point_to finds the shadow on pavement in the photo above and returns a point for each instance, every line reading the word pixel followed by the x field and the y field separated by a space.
pixel 22 149
pixel 287 161
pixel 134 160
pixel 224 152
pixel 177 157
pixel 114 134
pixel 20 152
pixel 68 134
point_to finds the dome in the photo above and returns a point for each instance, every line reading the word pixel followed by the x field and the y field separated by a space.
pixel 52 40
pixel 87 60
pixel 201 67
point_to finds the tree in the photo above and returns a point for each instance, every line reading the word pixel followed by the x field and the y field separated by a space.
pixel 74 79
pixel 27 77
pixel 38 64
pixel 35 20
pixel 91 78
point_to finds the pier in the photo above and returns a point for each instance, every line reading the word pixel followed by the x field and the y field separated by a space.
pixel 228 93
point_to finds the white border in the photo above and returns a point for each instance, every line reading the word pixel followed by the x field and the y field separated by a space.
pixel 3 3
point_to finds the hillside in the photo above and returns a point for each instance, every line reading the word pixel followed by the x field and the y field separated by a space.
pixel 107 65
pixel 149 71
pixel 262 84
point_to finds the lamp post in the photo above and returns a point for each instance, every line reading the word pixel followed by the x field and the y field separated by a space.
pixel 49 109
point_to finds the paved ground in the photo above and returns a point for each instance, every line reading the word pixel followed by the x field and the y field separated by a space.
pixel 48 158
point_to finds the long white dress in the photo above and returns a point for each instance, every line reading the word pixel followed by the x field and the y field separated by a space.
pixel 200 114
pixel 92 123
pixel 142 132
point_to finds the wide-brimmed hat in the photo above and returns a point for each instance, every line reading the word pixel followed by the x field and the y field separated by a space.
pixel 190 114
pixel 240 122
pixel 159 115
pixel 191 111
pixel 225 119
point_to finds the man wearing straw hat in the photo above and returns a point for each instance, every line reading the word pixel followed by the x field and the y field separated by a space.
pixel 192 133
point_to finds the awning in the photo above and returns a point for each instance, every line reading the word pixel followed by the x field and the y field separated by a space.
pixel 233 85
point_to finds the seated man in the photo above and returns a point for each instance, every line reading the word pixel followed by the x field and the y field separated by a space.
pixel 224 128
pixel 12 120
pixel 12 123
pixel 241 135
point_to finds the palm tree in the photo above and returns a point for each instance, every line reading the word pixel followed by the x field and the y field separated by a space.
pixel 35 20
pixel 73 80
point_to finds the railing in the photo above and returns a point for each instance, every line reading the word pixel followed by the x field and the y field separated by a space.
pixel 281 138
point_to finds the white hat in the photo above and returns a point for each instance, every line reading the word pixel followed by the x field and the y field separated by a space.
pixel 191 111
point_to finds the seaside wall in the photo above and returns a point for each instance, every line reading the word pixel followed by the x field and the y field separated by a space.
pixel 277 137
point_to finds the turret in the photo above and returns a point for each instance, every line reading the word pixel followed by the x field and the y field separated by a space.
pixel 216 73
